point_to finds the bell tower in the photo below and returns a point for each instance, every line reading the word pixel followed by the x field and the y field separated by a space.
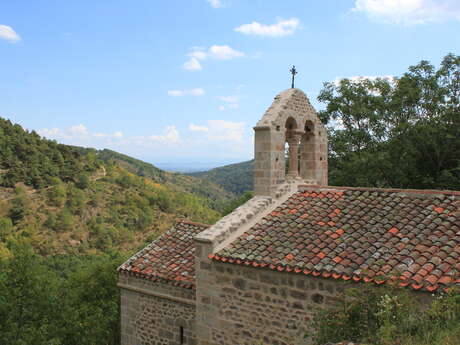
pixel 290 144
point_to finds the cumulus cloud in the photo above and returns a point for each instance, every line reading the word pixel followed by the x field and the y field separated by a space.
pixel 283 27
pixel 224 52
pixel 215 52
pixel 192 64
pixel 194 128
pixel 222 130
pixel 215 3
pixel 191 92
pixel 170 135
pixel 409 12
pixel 7 33
pixel 77 133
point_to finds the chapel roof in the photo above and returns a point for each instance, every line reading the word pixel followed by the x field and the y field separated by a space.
pixel 358 234
pixel 170 258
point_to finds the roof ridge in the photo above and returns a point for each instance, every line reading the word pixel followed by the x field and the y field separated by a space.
pixel 376 189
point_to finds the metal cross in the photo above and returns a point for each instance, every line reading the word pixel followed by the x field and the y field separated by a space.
pixel 293 72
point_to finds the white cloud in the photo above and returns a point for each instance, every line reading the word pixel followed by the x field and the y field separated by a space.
pixel 232 102
pixel 359 78
pixel 194 128
pixel 213 138
pixel 222 131
pixel 170 135
pixel 224 52
pixel 409 12
pixel 215 3
pixel 215 52
pixel 226 130
pixel 229 99
pixel 118 134
pixel 280 28
pixel 80 130
pixel 7 33
pixel 192 64
pixel 78 134
pixel 192 92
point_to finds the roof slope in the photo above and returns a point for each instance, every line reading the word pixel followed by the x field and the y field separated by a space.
pixel 360 234
pixel 170 258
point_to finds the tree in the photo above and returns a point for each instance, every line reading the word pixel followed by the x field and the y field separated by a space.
pixel 402 132
pixel 27 309
pixel 20 207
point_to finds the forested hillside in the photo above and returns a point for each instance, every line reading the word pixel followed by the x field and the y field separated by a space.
pixel 26 157
pixel 236 178
pixel 217 194
pixel 64 199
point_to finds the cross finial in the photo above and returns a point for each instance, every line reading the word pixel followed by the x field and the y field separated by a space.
pixel 293 72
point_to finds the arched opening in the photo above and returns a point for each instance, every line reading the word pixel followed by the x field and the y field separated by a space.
pixel 291 124
pixel 307 153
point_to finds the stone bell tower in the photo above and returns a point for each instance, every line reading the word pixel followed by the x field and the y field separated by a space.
pixel 290 121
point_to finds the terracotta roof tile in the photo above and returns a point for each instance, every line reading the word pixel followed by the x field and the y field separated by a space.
pixel 170 258
pixel 359 233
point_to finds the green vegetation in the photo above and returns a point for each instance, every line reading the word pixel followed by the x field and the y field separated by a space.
pixel 232 205
pixel 60 300
pixel 389 315
pixel 401 134
pixel 235 178
pixel 26 157
pixel 215 195
pixel 86 201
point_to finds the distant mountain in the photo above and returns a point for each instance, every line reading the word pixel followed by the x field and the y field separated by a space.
pixel 235 178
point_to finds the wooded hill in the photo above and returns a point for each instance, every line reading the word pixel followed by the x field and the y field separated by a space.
pixel 236 178
pixel 217 194
pixel 66 199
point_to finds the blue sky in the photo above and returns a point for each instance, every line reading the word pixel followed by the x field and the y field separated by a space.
pixel 182 82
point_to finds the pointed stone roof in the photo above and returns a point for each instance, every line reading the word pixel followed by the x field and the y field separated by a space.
pixel 288 103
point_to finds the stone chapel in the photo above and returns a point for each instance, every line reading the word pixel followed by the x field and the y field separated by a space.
pixel 255 276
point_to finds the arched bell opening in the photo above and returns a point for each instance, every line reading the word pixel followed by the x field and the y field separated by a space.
pixel 307 151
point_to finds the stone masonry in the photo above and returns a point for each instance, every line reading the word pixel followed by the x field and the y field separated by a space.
pixel 154 313
pixel 249 306
pixel 290 119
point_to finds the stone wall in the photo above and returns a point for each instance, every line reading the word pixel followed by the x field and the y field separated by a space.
pixel 154 313
pixel 253 306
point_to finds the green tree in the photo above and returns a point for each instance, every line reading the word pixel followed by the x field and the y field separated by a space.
pixel 401 133
pixel 91 313
pixel 57 195
pixel 6 226
pixel 19 209
pixel 27 309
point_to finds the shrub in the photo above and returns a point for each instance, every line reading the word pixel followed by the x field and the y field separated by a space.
pixel 389 315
